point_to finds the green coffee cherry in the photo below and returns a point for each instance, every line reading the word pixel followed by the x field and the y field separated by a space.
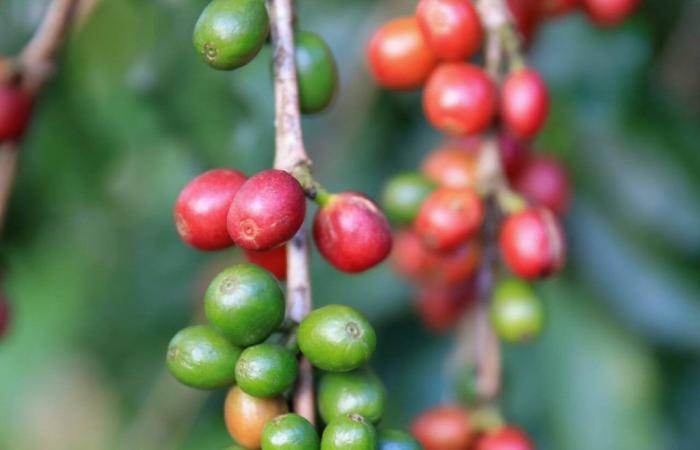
pixel 317 75
pixel 397 440
pixel 229 33
pixel 200 357
pixel 245 303
pixel 266 370
pixel 336 338
pixel 403 196
pixel 351 432
pixel 359 391
pixel 289 432
pixel 517 314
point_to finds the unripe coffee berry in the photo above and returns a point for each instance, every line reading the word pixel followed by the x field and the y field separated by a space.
pixel 267 211
pixel 451 27
pixel 399 56
pixel 274 260
pixel 443 428
pixel 403 196
pixel 460 99
pixel 350 432
pixel 449 217
pixel 290 432
pixel 266 370
pixel 245 303
pixel 451 167
pixel 246 416
pixel 316 72
pixel 544 181
pixel 524 103
pixel 609 12
pixel 336 338
pixel 506 438
pixel 230 33
pixel 351 232
pixel 15 112
pixel 359 391
pixel 202 208
pixel 397 440
pixel 532 243
pixel 517 314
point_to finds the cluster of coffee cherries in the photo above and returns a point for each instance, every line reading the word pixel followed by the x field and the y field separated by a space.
pixel 230 33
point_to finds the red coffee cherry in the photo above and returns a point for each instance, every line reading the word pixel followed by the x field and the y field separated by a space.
pixel 526 16
pixel 449 217
pixel 544 181
pixel 274 260
pixel 609 13
pixel 514 154
pixel 443 428
pixel 409 256
pixel 267 211
pixel 15 111
pixel 460 99
pixel 4 314
pixel 553 8
pixel 506 438
pixel 451 167
pixel 440 307
pixel 399 56
pixel 532 243
pixel 452 28
pixel 202 207
pixel 524 103
pixel 456 265
pixel 351 233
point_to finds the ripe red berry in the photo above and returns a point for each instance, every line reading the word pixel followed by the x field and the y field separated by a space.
pixel 526 16
pixel 15 111
pixel 451 167
pixel 4 314
pixel 440 307
pixel 514 154
pixel 460 99
pixel 352 233
pixel 609 12
pixel 449 217
pixel 274 260
pixel 452 28
pixel 409 256
pixel 545 182
pixel 443 428
pixel 532 243
pixel 524 103
pixel 399 56
pixel 506 438
pixel 267 211
pixel 202 207
pixel 552 8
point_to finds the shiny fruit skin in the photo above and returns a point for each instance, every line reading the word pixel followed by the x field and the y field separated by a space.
pixel 336 338
pixel 245 304
pixel 202 207
pixel 451 167
pixel 524 103
pixel 4 315
pixel 545 182
pixel 443 428
pixel 266 370
pixel 290 432
pixel 246 416
pixel 440 307
pixel 397 440
pixel 317 74
pixel 553 8
pixel 274 260
pixel 350 432
pixel 452 28
pixel 359 391
pixel 532 243
pixel 449 217
pixel 200 357
pixel 399 56
pixel 517 314
pixel 608 13
pixel 230 33
pixel 15 112
pixel 506 438
pixel 403 195
pixel 267 210
pixel 514 154
pixel 460 99
pixel 351 233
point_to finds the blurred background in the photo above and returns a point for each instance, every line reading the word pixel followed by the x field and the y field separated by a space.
pixel 99 280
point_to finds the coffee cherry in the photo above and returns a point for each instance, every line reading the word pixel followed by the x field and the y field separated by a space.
pixel 457 265
pixel 532 244
pixel 274 260
pixel 351 232
pixel 316 72
pixel 4 315
pixel 289 432
pixel 451 27
pixel 443 428
pixel 545 182
pixel 15 112
pixel 440 307
pixel 200 357
pixel 517 314
pixel 246 416
pixel 230 33
pixel 350 432
pixel 526 16
pixel 609 13
pixel 506 438
pixel 403 196
pixel 460 99
pixel 410 257
pixel 397 440
pixel 202 207
pixel 514 154
pixel 360 391
pixel 267 210
pixel 266 370
pixel 554 8
pixel 449 217
pixel 336 338
pixel 524 103
pixel 451 167
pixel 245 303
pixel 399 56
